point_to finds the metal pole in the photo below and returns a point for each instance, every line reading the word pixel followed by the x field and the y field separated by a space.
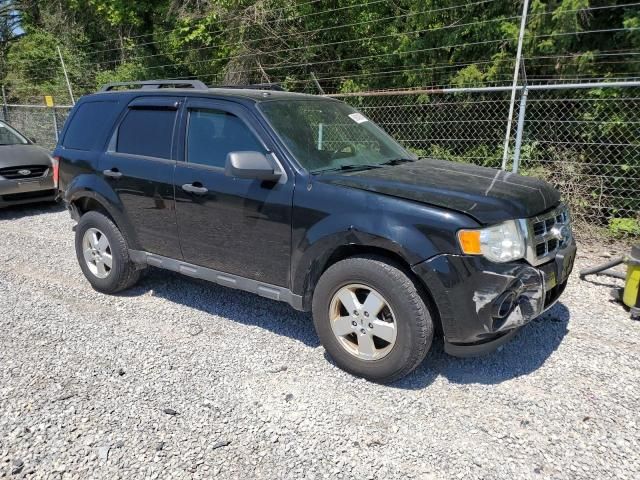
pixel 315 80
pixel 66 77
pixel 55 123
pixel 521 116
pixel 523 25
pixel 5 110
pixel 320 135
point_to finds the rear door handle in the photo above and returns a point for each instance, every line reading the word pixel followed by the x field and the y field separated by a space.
pixel 195 187
pixel 113 173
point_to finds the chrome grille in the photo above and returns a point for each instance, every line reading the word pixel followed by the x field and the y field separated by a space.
pixel 27 171
pixel 546 234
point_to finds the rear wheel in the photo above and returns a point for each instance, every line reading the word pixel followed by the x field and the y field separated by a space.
pixel 371 318
pixel 103 254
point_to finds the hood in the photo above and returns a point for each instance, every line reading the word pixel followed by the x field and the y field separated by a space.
pixel 488 195
pixel 18 155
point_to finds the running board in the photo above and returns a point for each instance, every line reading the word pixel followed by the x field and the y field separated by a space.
pixel 225 279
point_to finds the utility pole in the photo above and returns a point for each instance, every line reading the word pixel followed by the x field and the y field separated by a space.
pixel 514 87
pixel 66 77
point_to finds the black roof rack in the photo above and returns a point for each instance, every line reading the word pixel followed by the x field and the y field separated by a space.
pixel 153 84
pixel 255 86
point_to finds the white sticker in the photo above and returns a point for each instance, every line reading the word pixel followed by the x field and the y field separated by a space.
pixel 358 117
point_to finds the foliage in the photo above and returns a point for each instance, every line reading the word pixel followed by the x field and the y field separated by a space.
pixel 349 45
pixel 354 45
pixel 623 227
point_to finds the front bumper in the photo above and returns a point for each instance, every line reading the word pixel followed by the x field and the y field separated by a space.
pixel 17 192
pixel 482 304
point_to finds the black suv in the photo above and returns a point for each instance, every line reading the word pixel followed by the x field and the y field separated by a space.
pixel 302 199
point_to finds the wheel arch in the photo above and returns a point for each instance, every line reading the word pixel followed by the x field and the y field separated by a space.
pixel 83 201
pixel 342 252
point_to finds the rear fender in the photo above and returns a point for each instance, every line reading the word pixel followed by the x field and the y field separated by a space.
pixel 95 188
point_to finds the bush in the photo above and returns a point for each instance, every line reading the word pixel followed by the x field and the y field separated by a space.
pixel 624 227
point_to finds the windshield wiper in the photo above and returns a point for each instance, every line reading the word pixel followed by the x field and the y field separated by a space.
pixel 349 168
pixel 398 161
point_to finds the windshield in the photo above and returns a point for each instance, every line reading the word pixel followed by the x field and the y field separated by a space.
pixel 9 136
pixel 327 135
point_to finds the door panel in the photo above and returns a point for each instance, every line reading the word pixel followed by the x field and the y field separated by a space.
pixel 237 226
pixel 145 190
pixel 139 166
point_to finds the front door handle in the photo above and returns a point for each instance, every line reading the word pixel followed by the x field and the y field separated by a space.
pixel 113 173
pixel 195 187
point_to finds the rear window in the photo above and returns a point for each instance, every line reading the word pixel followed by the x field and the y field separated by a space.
pixel 147 132
pixel 90 124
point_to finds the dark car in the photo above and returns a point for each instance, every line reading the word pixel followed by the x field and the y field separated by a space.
pixel 26 170
pixel 302 199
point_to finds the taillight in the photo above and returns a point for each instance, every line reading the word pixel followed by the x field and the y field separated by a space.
pixel 56 171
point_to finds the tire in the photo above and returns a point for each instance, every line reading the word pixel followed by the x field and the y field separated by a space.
pixel 122 273
pixel 398 353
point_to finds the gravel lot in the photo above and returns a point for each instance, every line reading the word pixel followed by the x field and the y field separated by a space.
pixel 182 379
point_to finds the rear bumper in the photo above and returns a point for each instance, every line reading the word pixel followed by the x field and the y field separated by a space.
pixel 482 304
pixel 17 192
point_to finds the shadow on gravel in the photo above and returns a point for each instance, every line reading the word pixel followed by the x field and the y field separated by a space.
pixel 524 354
pixel 29 210
pixel 235 305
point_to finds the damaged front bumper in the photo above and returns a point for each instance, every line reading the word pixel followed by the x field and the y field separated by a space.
pixel 482 304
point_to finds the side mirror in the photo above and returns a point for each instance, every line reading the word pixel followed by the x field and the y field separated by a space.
pixel 250 165
pixel 32 140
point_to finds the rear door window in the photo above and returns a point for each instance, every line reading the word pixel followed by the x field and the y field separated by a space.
pixel 147 132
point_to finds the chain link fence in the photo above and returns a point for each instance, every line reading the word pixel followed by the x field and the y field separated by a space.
pixel 41 124
pixel 586 142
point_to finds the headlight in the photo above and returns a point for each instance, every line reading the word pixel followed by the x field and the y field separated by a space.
pixel 499 243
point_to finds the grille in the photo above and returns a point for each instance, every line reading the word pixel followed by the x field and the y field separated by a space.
pixel 549 233
pixel 14 173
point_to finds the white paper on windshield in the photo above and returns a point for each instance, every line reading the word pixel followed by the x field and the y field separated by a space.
pixel 358 117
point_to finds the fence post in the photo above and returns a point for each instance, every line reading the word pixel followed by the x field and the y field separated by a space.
pixel 55 123
pixel 5 109
pixel 507 137
pixel 521 117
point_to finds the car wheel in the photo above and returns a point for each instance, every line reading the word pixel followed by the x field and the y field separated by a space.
pixel 103 254
pixel 371 318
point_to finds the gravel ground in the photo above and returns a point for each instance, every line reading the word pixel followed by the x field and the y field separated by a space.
pixel 182 379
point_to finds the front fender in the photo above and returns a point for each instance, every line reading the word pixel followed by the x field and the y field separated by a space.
pixel 328 217
pixel 309 258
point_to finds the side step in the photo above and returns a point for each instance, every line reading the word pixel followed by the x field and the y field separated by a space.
pixel 221 278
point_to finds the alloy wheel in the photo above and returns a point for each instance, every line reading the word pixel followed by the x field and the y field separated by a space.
pixel 363 322
pixel 97 252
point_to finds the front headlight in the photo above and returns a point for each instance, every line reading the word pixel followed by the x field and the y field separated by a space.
pixel 500 243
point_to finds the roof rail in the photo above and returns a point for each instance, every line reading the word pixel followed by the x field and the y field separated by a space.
pixel 154 84
pixel 255 86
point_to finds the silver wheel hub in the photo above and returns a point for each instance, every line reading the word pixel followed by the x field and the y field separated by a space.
pixel 363 322
pixel 97 253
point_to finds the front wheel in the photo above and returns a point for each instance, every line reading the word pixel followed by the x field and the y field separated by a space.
pixel 103 254
pixel 371 318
